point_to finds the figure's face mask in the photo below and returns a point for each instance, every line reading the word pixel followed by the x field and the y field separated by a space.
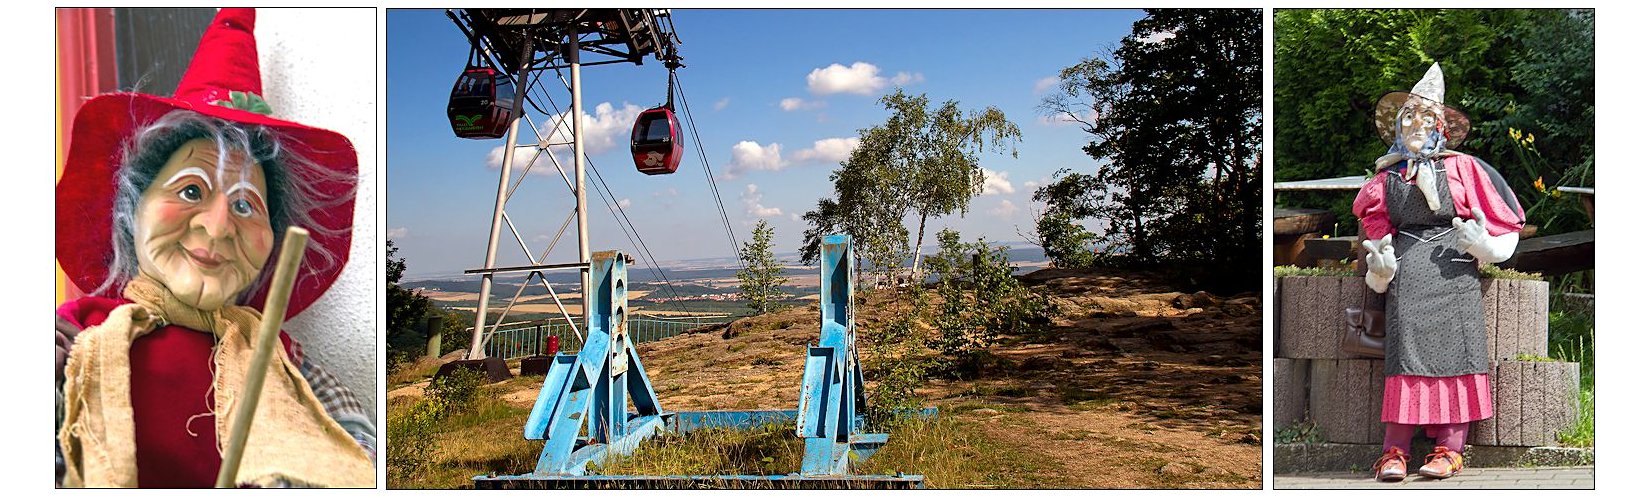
pixel 1416 124
pixel 203 227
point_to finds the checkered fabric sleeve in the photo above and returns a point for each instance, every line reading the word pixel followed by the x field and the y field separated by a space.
pixel 342 406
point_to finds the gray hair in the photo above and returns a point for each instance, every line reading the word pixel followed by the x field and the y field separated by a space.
pixel 293 183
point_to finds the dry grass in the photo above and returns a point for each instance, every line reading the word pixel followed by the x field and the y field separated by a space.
pixel 411 373
pixel 482 439
pixel 767 450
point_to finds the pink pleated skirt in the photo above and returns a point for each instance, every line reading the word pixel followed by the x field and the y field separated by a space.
pixel 1411 399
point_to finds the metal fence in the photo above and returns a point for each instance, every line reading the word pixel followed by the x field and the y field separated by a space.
pixel 520 339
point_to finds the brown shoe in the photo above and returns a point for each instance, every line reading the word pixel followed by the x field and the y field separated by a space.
pixel 1442 463
pixel 1392 466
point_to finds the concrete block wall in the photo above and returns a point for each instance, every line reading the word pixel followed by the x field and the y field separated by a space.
pixel 1313 380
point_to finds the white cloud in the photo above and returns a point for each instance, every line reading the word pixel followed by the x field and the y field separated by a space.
pixel 996 182
pixel 722 103
pixel 751 156
pixel 829 150
pixel 1004 210
pixel 1032 185
pixel 903 78
pixel 862 78
pixel 1041 85
pixel 1157 37
pixel 397 233
pixel 752 203
pixel 795 216
pixel 799 104
pixel 624 203
pixel 603 131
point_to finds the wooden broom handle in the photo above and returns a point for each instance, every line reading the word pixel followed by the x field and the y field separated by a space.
pixel 274 316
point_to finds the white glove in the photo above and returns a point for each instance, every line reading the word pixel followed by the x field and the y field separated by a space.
pixel 1471 233
pixel 1473 239
pixel 1381 263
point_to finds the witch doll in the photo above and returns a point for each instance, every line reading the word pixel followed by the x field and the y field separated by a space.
pixel 1431 216
pixel 168 212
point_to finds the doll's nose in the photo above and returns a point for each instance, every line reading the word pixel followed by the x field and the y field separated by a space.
pixel 214 219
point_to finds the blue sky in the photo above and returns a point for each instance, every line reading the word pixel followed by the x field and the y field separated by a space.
pixel 777 95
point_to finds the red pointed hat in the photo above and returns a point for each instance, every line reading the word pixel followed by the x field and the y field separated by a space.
pixel 223 81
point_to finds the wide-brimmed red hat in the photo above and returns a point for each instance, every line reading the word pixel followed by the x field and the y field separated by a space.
pixel 223 81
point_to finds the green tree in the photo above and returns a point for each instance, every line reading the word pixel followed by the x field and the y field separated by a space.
pixel 922 161
pixel 406 308
pixel 1531 70
pixel 1175 114
pixel 1068 198
pixel 760 277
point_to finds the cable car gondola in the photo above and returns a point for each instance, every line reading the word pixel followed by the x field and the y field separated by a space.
pixel 656 140
pixel 481 103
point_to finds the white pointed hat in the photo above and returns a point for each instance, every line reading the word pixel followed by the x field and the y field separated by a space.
pixel 1430 90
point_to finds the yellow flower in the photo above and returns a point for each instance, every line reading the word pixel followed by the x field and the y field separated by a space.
pixel 1555 194
pixel 1539 184
pixel 1515 134
pixel 1529 139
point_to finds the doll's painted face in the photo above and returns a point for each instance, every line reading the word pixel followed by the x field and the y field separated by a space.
pixel 203 232
pixel 1417 120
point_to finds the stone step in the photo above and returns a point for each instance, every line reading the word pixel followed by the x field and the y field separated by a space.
pixel 1292 458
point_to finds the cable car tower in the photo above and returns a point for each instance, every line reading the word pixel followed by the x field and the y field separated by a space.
pixel 521 42
pixel 581 412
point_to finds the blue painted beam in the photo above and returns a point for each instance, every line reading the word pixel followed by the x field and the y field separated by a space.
pixel 789 481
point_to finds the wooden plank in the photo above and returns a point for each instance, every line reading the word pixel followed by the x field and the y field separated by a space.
pixel 1353 182
pixel 1291 384
pixel 1332 248
pixel 1555 254
pixel 1294 221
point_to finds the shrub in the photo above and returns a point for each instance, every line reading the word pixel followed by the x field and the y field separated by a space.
pixel 456 391
pixel 981 301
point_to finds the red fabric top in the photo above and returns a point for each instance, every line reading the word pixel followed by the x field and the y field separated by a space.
pixel 1471 187
pixel 171 383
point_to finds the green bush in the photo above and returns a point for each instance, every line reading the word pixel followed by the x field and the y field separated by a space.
pixel 411 443
pixel 980 301
pixel 456 391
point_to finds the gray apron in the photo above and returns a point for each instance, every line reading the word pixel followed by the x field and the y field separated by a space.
pixel 1434 321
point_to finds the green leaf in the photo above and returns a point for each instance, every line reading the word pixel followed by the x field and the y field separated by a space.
pixel 246 101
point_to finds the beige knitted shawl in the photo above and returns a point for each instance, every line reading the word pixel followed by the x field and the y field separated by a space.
pixel 292 440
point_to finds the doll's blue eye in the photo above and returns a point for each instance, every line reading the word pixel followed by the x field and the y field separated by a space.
pixel 242 207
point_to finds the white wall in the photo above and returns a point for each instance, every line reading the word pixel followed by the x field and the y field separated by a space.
pixel 320 69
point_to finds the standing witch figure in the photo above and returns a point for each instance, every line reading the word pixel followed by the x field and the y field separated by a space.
pixel 167 212
pixel 1431 216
